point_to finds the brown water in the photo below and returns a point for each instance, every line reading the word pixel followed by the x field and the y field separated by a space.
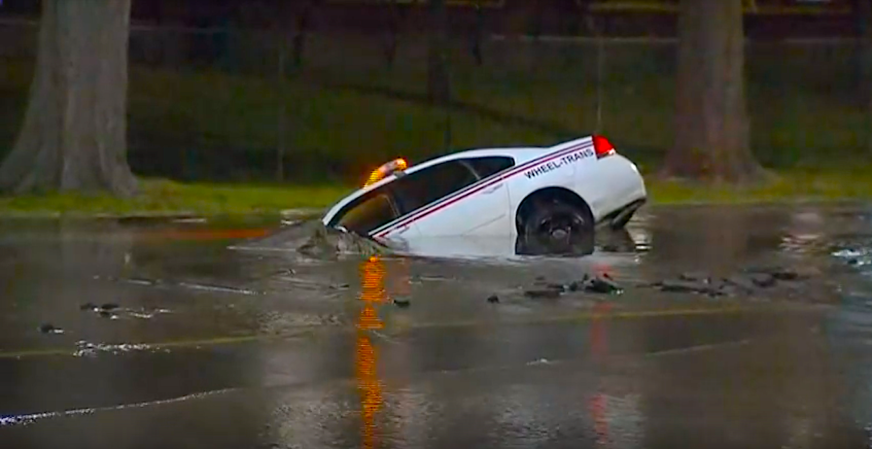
pixel 227 348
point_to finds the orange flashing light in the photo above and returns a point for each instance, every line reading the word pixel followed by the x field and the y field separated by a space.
pixel 386 169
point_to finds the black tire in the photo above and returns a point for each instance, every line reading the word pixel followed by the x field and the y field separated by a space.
pixel 557 228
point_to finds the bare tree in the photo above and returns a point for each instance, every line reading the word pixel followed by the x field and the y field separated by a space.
pixel 438 82
pixel 74 135
pixel 712 129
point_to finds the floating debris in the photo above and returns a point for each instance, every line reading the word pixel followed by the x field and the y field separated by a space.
pixel 742 282
pixel 763 280
pixel 695 277
pixel 683 286
pixel 543 293
pixel 402 303
pixel 747 282
pixel 602 283
pixel 48 328
pixel 493 299
pixel 787 274
pixel 87 349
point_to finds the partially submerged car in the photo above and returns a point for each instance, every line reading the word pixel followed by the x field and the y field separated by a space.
pixel 549 200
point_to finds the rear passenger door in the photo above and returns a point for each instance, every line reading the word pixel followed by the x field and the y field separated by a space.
pixel 457 197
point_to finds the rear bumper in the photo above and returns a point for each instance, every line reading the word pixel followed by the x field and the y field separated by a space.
pixel 626 213
pixel 613 185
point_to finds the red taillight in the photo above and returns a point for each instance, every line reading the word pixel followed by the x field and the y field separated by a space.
pixel 602 147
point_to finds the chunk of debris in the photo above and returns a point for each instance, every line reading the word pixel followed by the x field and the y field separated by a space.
pixel 787 274
pixel 493 299
pixel 328 243
pixel 725 289
pixel 88 306
pixel 742 282
pixel 559 287
pixel 48 328
pixel 602 283
pixel 684 286
pixel 707 286
pixel 695 277
pixel 763 280
pixel 109 306
pixel 402 303
pixel 542 293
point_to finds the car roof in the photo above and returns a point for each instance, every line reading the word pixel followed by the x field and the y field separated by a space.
pixel 520 154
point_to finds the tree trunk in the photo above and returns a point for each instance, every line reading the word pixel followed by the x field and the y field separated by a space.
pixel 438 82
pixel 863 28
pixel 711 122
pixel 393 30
pixel 74 135
pixel 864 10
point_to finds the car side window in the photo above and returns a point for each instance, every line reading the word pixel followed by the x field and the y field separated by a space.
pixel 490 165
pixel 423 187
pixel 369 212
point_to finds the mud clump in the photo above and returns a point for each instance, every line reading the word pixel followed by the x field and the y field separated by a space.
pixel 602 284
pixel 327 243
pixel 48 328
pixel 542 293
pixel 599 284
pixel 749 281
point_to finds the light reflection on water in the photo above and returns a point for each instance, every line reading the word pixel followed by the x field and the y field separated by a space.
pixel 372 293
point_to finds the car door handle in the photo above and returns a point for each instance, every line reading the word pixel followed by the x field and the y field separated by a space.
pixel 492 189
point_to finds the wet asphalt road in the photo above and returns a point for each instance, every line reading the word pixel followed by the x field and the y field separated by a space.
pixel 143 335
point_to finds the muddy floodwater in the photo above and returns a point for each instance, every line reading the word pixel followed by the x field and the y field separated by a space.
pixel 695 327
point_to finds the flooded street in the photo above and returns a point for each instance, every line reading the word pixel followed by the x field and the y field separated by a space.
pixel 199 335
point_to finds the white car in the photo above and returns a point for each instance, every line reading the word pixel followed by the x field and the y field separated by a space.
pixel 547 200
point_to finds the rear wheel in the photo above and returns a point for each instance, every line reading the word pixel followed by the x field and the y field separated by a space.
pixel 557 228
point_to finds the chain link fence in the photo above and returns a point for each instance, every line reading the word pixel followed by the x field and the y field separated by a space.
pixel 266 104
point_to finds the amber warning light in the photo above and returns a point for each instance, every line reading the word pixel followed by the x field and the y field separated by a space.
pixel 386 169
